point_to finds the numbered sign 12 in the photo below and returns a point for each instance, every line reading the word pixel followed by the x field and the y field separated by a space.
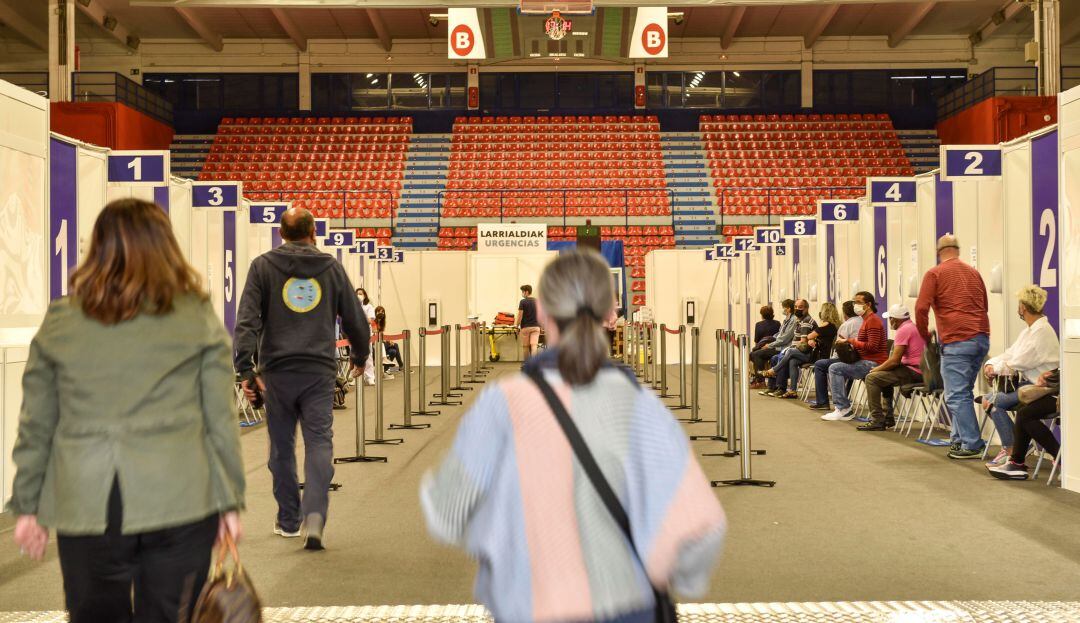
pixel 891 190
pixel 970 162
pixel 768 236
pixel 341 238
pixel 364 246
pixel 267 213
pixel 838 211
pixel 744 244
pixel 799 227
pixel 215 195
pixel 138 167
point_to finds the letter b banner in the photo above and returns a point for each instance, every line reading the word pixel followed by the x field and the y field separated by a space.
pixel 650 36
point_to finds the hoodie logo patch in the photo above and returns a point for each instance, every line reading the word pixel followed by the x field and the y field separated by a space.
pixel 301 295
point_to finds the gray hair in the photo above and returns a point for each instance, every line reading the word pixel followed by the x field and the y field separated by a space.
pixel 577 294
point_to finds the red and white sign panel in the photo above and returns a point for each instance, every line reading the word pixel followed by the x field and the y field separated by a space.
pixel 464 40
pixel 650 38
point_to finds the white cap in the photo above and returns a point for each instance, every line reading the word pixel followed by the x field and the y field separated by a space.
pixel 897 311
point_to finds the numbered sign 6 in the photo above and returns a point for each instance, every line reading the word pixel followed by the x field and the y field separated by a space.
pixel 891 190
pixel 970 161
pixel 767 236
pixel 215 195
pixel 799 227
pixel 341 238
pixel 267 213
pixel 138 167
pixel 838 211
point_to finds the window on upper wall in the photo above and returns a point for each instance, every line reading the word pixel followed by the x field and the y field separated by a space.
pixel 409 91
pixel 369 92
pixel 704 89
pixel 743 89
pixel 536 90
pixel 577 90
pixel 498 91
pixel 615 90
pixel 455 87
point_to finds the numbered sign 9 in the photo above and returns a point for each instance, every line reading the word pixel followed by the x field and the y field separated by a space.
pixel 838 211
pixel 384 254
pixel 341 238
pixel 970 162
pixel 891 190
pixel 364 246
pixel 138 167
pixel 799 227
pixel 768 236
pixel 215 194
pixel 267 213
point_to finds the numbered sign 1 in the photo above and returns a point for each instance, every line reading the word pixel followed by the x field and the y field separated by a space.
pixel 800 227
pixel 970 161
pixel 267 213
pixel 891 190
pixel 724 251
pixel 838 211
pixel 341 238
pixel 768 236
pixel 384 254
pixel 364 246
pixel 138 167
pixel 215 194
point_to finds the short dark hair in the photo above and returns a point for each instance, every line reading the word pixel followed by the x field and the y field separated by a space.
pixel 787 304
pixel 767 312
pixel 297 227
pixel 527 289
pixel 849 309
pixel 869 298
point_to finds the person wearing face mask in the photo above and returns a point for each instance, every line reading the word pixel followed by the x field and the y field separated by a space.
pixel 1035 351
pixel 800 352
pixel 870 345
pixel 957 294
pixel 369 313
pixel 848 329
pixel 901 368
pixel 760 357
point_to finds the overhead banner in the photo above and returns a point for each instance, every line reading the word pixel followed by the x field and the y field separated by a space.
pixel 464 37
pixel 650 38
pixel 511 238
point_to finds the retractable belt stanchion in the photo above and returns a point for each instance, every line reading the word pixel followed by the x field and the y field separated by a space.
pixel 360 409
pixel 642 358
pixel 745 478
pixel 646 330
pixel 422 333
pixel 475 373
pixel 626 344
pixel 444 368
pixel 681 332
pixel 653 337
pixel 721 398
pixel 484 363
pixel 406 385
pixel 729 398
pixel 379 439
pixel 663 361
pixel 695 378
pixel 457 360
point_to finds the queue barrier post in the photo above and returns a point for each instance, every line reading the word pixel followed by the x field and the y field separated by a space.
pixel 360 411
pixel 654 331
pixel 663 361
pixel 681 332
pixel 422 334
pixel 721 399
pixel 646 331
pixel 475 374
pixel 406 387
pixel 457 360
pixel 727 390
pixel 746 478
pixel 485 364
pixel 379 439
pixel 444 368
pixel 626 343
pixel 695 378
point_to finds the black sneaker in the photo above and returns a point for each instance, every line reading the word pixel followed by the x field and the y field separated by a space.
pixel 874 426
pixel 965 454
pixel 1009 471
pixel 955 447
pixel 822 407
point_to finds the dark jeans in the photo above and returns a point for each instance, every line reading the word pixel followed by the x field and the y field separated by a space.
pixel 149 577
pixel 880 384
pixel 393 353
pixel 760 358
pixel 1029 426
pixel 307 398
pixel 787 370
pixel 821 380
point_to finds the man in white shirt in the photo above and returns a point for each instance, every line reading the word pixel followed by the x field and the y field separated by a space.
pixel 1034 352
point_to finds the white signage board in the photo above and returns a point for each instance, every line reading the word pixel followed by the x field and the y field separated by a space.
pixel 511 237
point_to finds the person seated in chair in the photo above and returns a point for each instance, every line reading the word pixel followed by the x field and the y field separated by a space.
pixel 901 368
pixel 818 346
pixel 766 329
pixel 849 329
pixel 871 348
pixel 1029 425
pixel 761 356
pixel 799 351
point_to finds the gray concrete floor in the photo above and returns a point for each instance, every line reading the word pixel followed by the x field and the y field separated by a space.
pixel 854 516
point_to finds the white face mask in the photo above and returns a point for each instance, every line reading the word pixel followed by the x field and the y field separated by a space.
pixel 860 309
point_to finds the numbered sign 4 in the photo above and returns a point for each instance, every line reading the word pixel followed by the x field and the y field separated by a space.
pixel 267 213
pixel 138 167
pixel 215 194
pixel 799 227
pixel 341 238
pixel 970 162
pixel 891 190
pixel 768 236
pixel 838 211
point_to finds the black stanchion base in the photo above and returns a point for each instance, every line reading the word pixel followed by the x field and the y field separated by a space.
pixel 408 426
pixel 727 454
pixel 743 482
pixel 425 413
pixel 697 421
pixel 461 389
pixel 360 459
pixel 663 395
pixel 473 382
pixel 334 486
pixel 707 438
pixel 444 403
pixel 384 442
pixel 448 395
pixel 678 407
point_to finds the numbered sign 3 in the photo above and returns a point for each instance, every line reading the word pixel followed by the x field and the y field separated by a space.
pixel 838 211
pixel 384 254
pixel 267 213
pixel 341 238
pixel 891 190
pixel 215 195
pixel 768 236
pixel 970 162
pixel 799 227
pixel 138 167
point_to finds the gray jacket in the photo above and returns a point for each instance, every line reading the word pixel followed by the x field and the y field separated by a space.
pixel 787 332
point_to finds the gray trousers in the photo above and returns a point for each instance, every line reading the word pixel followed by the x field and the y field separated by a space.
pixel 307 398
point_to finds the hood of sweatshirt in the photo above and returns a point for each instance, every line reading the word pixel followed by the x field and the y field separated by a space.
pixel 300 260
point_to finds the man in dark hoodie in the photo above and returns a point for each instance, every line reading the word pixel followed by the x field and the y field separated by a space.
pixel 293 297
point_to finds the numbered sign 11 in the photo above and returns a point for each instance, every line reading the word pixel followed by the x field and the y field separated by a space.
pixel 138 167
pixel 364 246
pixel 799 227
pixel 959 162
pixel 267 213
pixel 768 236
pixel 838 211
pixel 215 194
pixel 891 190
pixel 341 238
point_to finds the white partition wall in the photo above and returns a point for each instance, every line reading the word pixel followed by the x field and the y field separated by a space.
pixel 496 279
pixel 180 212
pixel 1016 196
pixel 675 277
pixel 1069 280
pixel 91 193
pixel 76 197
pixel 977 220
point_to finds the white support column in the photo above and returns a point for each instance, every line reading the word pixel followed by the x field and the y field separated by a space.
pixel 807 75
pixel 639 85
pixel 61 49
pixel 1048 38
pixel 304 66
pixel 473 83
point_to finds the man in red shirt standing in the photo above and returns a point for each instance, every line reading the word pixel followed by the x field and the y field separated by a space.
pixel 873 349
pixel 957 294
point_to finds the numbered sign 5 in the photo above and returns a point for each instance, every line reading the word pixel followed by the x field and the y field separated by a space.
pixel 267 213
pixel 970 161
pixel 215 195
pixel 798 227
pixel 341 238
pixel 364 246
pixel 891 190
pixel 138 167
pixel 399 256
pixel 384 254
pixel 767 236
pixel 838 211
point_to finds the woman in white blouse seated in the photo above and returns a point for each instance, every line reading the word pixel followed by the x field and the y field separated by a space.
pixel 1035 351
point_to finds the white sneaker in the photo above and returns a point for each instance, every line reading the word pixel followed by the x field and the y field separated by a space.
pixel 388 377
pixel 838 414
pixel 369 383
pixel 278 530
pixel 1000 459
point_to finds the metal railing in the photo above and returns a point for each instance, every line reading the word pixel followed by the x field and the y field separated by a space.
pixel 36 81
pixel 822 192
pixel 542 198
pixel 343 195
pixel 990 83
pixel 105 86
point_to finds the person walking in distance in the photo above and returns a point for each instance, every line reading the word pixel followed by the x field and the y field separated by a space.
pixel 293 297
pixel 369 313
pixel 957 294
pixel 528 325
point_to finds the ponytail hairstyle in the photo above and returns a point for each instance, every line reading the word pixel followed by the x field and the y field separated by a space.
pixel 577 294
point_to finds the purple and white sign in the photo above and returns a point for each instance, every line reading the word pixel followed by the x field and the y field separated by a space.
pixel 796 282
pixel 341 238
pixel 215 195
pixel 384 254
pixel 970 162
pixel 768 236
pixel 63 215
pixel 724 251
pixel 891 190
pixel 365 246
pixel 1044 221
pixel 267 213
pixel 830 261
pixel 275 237
pixel 138 167
pixel 161 197
pixel 744 244
pixel 799 227
pixel 838 211
pixel 881 253
pixel 943 199
pixel 710 255
pixel 229 274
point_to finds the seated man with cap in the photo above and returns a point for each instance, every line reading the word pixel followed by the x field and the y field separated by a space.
pixel 901 368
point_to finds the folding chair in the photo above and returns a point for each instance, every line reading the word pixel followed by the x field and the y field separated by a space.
pixel 1002 385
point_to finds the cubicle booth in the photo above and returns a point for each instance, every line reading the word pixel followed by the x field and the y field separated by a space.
pixel 219 249
pixel 688 287
pixel 77 194
pixel 1069 267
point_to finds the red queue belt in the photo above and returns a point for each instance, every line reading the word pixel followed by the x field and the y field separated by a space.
pixel 673 331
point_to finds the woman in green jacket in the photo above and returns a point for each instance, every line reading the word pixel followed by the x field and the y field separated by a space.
pixel 128 443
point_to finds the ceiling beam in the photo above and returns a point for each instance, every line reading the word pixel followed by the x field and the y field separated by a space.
pixel 208 35
pixel 380 29
pixel 732 27
pixel 98 14
pixel 917 16
pixel 289 26
pixel 1000 17
pixel 429 5
pixel 825 16
pixel 28 31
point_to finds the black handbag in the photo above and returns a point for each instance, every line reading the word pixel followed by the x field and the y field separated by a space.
pixel 665 607
pixel 846 353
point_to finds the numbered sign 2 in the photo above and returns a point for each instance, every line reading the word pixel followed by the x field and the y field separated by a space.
pixel 891 190
pixel 138 167
pixel 341 238
pixel 215 195
pixel 768 236
pixel 364 246
pixel 970 162
pixel 799 227
pixel 384 254
pixel 267 213
pixel 838 211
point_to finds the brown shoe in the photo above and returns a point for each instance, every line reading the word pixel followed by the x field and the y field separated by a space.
pixel 789 395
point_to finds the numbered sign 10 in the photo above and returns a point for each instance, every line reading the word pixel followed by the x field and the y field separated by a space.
pixel 799 227
pixel 215 195
pixel 138 167
pixel 768 236
pixel 970 162
pixel 838 211
pixel 891 190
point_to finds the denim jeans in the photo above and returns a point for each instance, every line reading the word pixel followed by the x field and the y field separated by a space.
pixel 840 373
pixel 772 382
pixel 960 365
pixel 821 380
pixel 1003 403
pixel 787 369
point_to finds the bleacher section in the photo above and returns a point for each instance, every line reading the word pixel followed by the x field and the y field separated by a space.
pixel 779 164
pixel 427 165
pixel 691 186
pixel 335 166
pixel 188 152
pixel 922 147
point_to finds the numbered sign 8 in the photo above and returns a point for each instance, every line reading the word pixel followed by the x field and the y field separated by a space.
pixel 891 190
pixel 215 195
pixel 767 236
pixel 341 238
pixel 138 167
pixel 970 161
pixel 267 213
pixel 838 211
pixel 798 227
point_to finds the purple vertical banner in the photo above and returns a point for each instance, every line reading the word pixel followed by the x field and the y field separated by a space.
pixel 275 237
pixel 730 317
pixel 768 273
pixel 943 199
pixel 795 268
pixel 881 254
pixel 229 273
pixel 747 298
pixel 830 263
pixel 161 197
pixel 63 215
pixel 1044 221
